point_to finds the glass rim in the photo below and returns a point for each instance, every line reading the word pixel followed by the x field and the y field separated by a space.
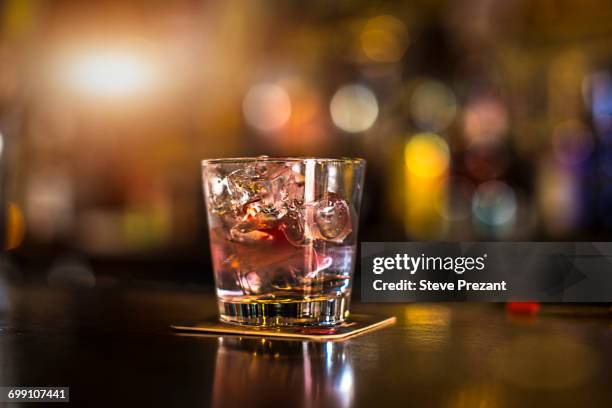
pixel 239 160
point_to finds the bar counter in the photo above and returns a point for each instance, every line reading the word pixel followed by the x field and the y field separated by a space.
pixel 114 347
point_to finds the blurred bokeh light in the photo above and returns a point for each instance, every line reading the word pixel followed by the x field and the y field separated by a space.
pixel 433 106
pixel 477 122
pixel 427 163
pixel 354 108
pixel 494 208
pixel 267 107
pixel 110 73
pixel 384 38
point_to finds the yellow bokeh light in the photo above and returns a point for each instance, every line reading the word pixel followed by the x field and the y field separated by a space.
pixel 427 161
pixel 384 39
pixel 15 226
pixel 427 156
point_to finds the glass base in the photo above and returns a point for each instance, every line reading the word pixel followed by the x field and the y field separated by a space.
pixel 305 312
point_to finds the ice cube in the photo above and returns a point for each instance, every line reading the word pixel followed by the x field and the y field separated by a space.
pixel 250 283
pixel 218 196
pixel 271 183
pixel 220 203
pixel 292 225
pixel 258 220
pixel 264 216
pixel 293 188
pixel 282 186
pixel 245 185
pixel 239 235
pixel 332 216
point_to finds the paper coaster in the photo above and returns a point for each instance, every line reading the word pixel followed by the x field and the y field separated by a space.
pixel 356 325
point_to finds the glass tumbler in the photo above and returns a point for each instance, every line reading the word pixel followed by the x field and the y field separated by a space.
pixel 283 235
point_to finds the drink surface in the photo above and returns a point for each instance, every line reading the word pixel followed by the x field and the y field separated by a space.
pixel 281 248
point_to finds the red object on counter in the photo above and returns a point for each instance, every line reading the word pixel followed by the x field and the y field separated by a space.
pixel 522 307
